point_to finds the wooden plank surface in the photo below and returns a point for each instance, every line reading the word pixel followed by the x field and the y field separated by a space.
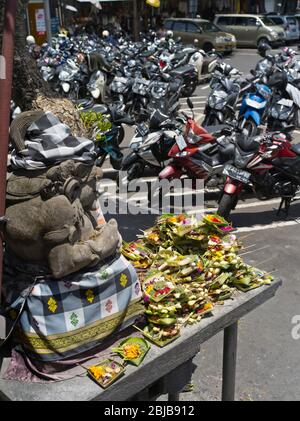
pixel 158 362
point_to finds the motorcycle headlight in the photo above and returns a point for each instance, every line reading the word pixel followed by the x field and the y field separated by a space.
pixel 118 87
pixel 95 93
pixel 66 87
pixel 211 101
pixel 264 92
pixel 216 102
pixel 285 113
pixel 274 112
pixel 220 40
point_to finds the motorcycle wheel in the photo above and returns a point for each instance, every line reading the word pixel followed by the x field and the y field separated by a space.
pixel 188 91
pixel 210 120
pixel 121 135
pixel 115 163
pixel 100 160
pixel 135 171
pixel 251 128
pixel 226 205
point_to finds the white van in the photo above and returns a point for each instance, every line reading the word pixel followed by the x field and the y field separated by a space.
pixel 290 25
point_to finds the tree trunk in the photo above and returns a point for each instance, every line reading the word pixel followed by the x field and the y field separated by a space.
pixel 30 91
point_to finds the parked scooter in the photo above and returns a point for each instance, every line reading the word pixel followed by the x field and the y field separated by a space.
pixel 221 103
pixel 269 164
pixel 285 105
pixel 149 146
pixel 254 107
pixel 196 152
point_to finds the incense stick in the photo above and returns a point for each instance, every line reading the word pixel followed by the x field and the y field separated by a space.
pixel 253 251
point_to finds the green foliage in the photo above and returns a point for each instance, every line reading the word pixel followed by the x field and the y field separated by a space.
pixel 98 124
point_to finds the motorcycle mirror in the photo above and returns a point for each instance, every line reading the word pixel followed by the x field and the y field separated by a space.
pixel 253 72
pixel 190 103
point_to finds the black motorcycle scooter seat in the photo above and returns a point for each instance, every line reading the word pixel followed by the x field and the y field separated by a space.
pixel 215 129
pixel 180 55
pixel 212 161
pixel 182 70
pixel 246 144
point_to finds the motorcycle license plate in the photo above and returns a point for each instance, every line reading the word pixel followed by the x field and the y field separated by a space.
pixel 142 129
pixel 181 143
pixel 237 174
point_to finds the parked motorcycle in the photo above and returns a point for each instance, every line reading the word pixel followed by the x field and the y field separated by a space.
pixel 222 101
pixel 285 105
pixel 254 107
pixel 149 146
pixel 269 164
pixel 199 153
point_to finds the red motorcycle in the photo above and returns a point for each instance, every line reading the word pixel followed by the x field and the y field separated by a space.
pixel 192 148
pixel 269 164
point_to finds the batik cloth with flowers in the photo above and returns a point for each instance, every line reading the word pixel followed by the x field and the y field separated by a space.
pixel 64 318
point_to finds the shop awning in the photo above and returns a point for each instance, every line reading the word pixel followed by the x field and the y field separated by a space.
pixel 96 3
pixel 71 8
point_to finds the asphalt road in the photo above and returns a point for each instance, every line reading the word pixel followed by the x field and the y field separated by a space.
pixel 268 365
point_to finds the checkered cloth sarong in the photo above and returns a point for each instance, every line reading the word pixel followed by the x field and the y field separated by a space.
pixel 48 142
pixel 65 318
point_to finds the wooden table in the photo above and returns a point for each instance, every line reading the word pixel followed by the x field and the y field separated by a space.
pixel 164 370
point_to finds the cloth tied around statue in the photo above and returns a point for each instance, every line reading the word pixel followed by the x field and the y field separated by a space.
pixel 41 140
pixel 66 289
pixel 65 318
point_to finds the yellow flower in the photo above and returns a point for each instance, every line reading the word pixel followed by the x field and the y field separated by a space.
pixel 218 255
pixel 52 305
pixel 97 371
pixel 208 306
pixel 90 296
pixel 149 288
pixel 132 351
pixel 123 280
pixel 153 237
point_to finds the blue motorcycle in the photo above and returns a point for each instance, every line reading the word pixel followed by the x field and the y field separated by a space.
pixel 253 108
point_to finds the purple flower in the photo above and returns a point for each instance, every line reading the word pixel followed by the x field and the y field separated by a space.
pixel 146 299
pixel 226 229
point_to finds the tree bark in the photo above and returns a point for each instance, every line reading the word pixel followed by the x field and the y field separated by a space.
pixel 30 91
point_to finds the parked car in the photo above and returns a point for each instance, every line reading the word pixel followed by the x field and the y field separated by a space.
pixel 251 29
pixel 208 34
pixel 297 17
pixel 289 24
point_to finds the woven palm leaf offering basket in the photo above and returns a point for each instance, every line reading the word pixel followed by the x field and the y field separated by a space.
pixel 186 267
